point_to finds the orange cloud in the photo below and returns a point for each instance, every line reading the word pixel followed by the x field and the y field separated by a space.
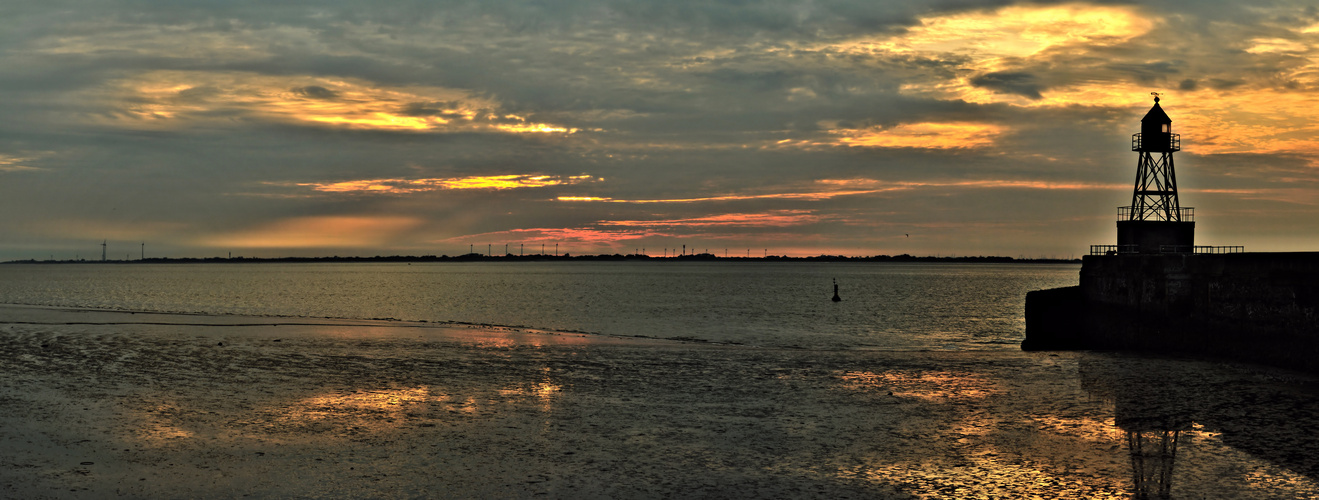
pixel 404 186
pixel 819 195
pixel 1019 31
pixel 14 163
pixel 558 235
pixel 988 41
pixel 958 135
pixel 832 188
pixel 773 218
pixel 320 231
pixel 1265 114
pixel 1024 184
pixel 164 99
pixel 583 198
pixel 607 232
pixel 1267 45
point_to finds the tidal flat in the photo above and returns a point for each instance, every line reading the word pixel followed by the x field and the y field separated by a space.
pixel 97 404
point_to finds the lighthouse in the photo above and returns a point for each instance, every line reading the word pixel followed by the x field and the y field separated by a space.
pixel 1155 222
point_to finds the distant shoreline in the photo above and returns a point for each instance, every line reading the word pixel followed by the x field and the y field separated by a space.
pixel 473 257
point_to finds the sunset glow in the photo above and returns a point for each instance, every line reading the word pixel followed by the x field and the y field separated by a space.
pixel 656 248
pixel 921 135
pixel 978 126
pixel 777 218
pixel 189 97
pixel 404 186
pixel 325 231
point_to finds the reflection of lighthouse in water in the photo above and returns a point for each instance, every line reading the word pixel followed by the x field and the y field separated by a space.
pixel 1150 414
pixel 1152 442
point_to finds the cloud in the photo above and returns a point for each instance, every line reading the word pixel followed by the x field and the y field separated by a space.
pixel 177 99
pixel 10 163
pixel 221 118
pixel 559 235
pixel 406 186
pixel 921 135
pixel 1010 82
pixel 774 218
pixel 316 92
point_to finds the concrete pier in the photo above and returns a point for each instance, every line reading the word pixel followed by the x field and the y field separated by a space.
pixel 1256 307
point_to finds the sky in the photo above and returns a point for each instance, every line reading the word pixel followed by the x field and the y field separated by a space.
pixel 839 127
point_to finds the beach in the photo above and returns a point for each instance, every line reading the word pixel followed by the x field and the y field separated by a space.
pixel 98 404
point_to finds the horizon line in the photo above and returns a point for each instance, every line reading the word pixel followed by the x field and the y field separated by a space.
pixel 468 257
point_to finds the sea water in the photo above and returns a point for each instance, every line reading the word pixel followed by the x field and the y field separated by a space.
pixel 892 306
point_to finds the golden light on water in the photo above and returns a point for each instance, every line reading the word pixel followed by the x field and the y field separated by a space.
pixel 926 385
pixel 382 403
pixel 985 476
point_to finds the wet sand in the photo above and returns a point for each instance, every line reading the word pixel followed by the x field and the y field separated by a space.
pixel 99 404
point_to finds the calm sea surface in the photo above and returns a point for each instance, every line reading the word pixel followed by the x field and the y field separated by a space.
pixel 885 305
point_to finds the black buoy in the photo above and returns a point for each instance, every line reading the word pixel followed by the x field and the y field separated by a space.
pixel 836 297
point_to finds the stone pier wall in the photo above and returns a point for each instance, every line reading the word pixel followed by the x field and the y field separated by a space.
pixel 1259 307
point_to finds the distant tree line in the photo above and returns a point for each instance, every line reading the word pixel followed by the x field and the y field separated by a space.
pixel 476 257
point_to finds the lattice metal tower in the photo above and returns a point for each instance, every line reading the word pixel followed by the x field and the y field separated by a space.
pixel 1155 196
pixel 1155 222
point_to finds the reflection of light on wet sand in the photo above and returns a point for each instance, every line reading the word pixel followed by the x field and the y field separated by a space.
pixel 1274 479
pixel 369 410
pixel 157 427
pixel 469 406
pixel 384 409
pixel 387 401
pixel 932 385
pixel 508 338
pixel 978 451
pixel 1259 478
pixel 495 343
pixel 544 391
pixel 986 477
pixel 1083 427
